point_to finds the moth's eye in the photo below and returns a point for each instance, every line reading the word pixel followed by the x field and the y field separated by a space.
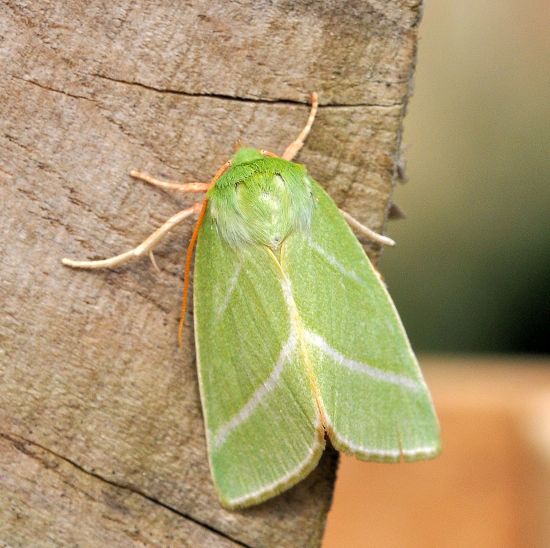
pixel 279 181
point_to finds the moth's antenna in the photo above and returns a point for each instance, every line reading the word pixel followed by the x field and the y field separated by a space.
pixel 188 260
pixel 190 250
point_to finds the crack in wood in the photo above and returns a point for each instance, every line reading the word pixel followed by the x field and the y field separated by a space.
pixel 239 99
pixel 20 443
pixel 49 88
pixel 209 95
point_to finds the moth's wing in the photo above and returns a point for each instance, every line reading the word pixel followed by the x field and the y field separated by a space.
pixel 373 397
pixel 263 427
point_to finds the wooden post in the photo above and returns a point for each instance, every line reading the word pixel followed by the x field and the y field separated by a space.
pixel 101 435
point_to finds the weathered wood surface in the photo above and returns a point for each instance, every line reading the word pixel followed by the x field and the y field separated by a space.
pixel 101 436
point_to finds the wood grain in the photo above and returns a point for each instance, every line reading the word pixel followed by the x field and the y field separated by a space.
pixel 102 440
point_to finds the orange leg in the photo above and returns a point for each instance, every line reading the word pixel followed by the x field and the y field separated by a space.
pixel 298 143
pixel 170 185
pixel 146 247
pixel 366 231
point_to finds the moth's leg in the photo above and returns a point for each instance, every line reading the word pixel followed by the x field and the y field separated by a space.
pixel 171 185
pixel 153 261
pixel 146 247
pixel 366 231
pixel 269 153
pixel 295 146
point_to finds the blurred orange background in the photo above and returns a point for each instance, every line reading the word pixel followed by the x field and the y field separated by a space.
pixel 471 277
pixel 489 488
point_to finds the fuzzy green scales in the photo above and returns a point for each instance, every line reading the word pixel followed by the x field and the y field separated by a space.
pixel 296 337
pixel 260 200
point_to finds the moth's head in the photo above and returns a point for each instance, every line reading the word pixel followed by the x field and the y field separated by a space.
pixel 246 154
pixel 260 199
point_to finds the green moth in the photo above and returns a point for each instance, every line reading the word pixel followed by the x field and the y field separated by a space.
pixel 297 338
